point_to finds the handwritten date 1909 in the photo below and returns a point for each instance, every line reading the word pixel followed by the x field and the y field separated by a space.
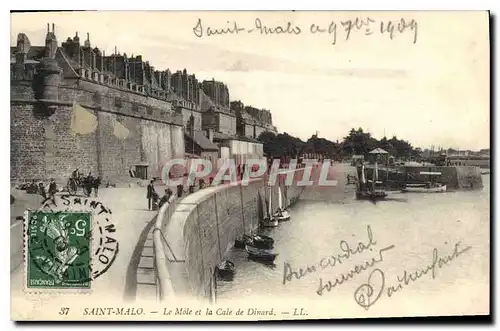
pixel 366 25
pixel 370 292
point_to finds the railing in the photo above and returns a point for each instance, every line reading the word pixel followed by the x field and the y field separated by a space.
pixel 164 288
pixel 168 253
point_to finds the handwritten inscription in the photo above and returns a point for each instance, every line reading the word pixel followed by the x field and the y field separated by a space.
pixel 347 251
pixel 342 29
pixel 330 261
pixel 344 277
pixel 370 292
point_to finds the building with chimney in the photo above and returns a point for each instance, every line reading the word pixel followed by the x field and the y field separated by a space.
pixel 74 106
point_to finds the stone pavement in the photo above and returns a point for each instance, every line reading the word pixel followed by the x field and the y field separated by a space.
pixel 131 218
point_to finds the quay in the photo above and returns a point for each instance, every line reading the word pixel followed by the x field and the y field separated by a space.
pixel 454 177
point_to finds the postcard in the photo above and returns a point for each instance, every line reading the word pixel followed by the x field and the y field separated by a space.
pixel 251 165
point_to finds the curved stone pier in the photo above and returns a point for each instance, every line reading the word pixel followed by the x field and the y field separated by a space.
pixel 192 235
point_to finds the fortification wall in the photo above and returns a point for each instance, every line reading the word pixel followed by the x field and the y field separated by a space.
pixel 107 137
pixel 204 226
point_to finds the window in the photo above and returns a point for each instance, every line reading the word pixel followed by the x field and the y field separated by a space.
pixel 96 98
pixel 118 103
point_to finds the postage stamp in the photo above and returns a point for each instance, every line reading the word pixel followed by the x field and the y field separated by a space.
pixel 59 250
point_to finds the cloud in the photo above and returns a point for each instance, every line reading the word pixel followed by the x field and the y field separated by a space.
pixel 237 66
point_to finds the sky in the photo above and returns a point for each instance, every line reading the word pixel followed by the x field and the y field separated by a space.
pixel 428 84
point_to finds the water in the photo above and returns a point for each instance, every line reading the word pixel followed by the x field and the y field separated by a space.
pixel 414 223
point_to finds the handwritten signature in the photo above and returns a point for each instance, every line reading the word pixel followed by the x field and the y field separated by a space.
pixel 367 25
pixel 367 294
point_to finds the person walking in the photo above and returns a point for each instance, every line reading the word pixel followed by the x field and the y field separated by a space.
pixel 150 194
pixel 41 190
pixel 52 188
pixel 165 198
pixel 96 183
pixel 88 182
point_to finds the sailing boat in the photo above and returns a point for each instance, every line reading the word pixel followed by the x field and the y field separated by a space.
pixel 270 221
pixel 430 187
pixel 363 193
pixel 281 214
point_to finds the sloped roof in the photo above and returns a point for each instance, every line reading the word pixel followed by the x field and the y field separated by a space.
pixel 378 151
pixel 202 141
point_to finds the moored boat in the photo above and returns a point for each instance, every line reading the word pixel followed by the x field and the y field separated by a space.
pixel 439 188
pixel 270 221
pixel 259 241
pixel 260 254
pixel 242 240
pixel 226 270
pixel 366 193
pixel 281 214
pixel 432 186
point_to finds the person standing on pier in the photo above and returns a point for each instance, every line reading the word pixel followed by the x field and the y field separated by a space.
pixel 150 194
pixel 96 183
pixel 52 188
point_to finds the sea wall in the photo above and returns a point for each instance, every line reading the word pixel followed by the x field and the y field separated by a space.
pixel 108 132
pixel 204 226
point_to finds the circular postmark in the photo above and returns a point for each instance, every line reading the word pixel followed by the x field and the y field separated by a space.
pixel 71 241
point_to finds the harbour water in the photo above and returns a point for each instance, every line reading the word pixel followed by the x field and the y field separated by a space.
pixel 403 233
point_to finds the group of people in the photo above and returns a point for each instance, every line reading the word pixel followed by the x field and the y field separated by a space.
pixel 88 182
pixel 154 201
pixel 51 190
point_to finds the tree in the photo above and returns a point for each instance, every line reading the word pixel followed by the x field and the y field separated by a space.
pixel 280 145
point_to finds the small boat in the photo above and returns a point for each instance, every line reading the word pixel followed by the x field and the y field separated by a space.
pixel 259 241
pixel 281 214
pixel 260 254
pixel 242 240
pixel 270 220
pixel 225 270
pixel 432 186
pixel 363 193
pixel 437 188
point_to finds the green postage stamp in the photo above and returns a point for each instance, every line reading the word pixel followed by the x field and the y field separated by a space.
pixel 58 250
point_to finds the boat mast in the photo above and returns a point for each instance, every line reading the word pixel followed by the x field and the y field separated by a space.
pixel 270 202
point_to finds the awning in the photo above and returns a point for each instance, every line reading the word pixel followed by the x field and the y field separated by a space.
pixel 378 151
